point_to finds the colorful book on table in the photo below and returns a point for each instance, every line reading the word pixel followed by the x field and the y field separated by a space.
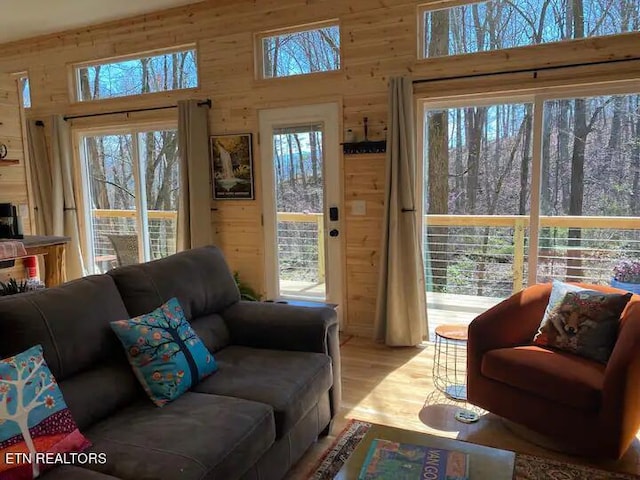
pixel 388 460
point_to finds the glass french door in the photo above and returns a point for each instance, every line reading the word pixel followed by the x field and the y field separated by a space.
pixel 131 184
pixel 300 168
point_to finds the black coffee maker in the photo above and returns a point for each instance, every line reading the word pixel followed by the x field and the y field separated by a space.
pixel 9 222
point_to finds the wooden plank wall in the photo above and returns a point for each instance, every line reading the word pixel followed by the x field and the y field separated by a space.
pixel 379 40
pixel 13 180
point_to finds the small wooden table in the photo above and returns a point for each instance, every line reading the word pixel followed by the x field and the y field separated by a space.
pixel 53 250
pixel 484 462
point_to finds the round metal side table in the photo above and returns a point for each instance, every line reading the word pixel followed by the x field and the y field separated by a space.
pixel 450 366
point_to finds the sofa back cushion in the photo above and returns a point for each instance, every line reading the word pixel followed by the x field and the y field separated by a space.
pixel 71 322
pixel 201 281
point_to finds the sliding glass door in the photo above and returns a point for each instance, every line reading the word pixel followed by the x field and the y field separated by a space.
pixel 131 181
pixel 525 189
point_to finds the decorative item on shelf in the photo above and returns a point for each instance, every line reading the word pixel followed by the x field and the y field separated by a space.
pixel 626 276
pixel 231 167
pixel 4 151
pixel 351 147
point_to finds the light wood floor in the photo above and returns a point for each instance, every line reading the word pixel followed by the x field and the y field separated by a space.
pixel 392 386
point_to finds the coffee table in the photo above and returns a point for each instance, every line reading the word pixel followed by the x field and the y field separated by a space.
pixel 484 462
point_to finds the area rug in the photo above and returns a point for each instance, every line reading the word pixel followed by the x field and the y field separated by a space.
pixel 528 467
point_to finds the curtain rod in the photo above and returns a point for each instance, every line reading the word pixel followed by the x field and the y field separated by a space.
pixel 206 102
pixel 526 70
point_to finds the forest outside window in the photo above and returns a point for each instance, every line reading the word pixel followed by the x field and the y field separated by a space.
pixel 501 24
pixel 160 72
pixel 25 91
pixel 302 51
pixel 131 187
pixel 481 233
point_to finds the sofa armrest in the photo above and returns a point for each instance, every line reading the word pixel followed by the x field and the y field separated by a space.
pixel 286 327
pixel 621 390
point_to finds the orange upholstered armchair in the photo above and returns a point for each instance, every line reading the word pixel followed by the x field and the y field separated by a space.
pixel 590 408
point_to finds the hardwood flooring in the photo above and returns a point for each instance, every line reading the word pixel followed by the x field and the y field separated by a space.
pixel 393 386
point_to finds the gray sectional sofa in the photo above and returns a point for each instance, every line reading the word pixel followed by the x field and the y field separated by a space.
pixel 276 390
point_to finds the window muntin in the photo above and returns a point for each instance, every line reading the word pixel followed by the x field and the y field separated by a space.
pixel 174 70
pixel 301 52
pixel 501 24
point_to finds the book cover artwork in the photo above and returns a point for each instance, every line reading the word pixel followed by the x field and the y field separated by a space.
pixel 388 460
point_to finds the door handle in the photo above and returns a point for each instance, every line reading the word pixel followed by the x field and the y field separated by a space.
pixel 334 232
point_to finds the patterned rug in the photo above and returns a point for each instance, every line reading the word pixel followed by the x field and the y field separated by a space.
pixel 528 467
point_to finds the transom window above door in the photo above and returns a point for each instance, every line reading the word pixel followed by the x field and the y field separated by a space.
pixel 299 51
pixel 131 184
pixel 136 75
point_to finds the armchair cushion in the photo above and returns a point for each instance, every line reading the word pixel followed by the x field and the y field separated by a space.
pixel 560 377
pixel 585 323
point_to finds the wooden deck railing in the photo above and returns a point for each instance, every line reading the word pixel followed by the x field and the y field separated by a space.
pixel 515 234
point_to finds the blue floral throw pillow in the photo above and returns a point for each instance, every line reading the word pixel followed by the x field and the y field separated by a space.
pixel 166 354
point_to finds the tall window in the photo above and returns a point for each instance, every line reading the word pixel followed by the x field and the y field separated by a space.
pixel 300 52
pixel 131 196
pixel 25 91
pixel 135 76
pixel 479 201
pixel 500 24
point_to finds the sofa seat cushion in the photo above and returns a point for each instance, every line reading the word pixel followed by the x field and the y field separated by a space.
pixel 560 377
pixel 71 472
pixel 197 436
pixel 291 382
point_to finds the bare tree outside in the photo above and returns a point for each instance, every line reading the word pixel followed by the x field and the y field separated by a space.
pixel 301 52
pixel 590 153
pixel 113 184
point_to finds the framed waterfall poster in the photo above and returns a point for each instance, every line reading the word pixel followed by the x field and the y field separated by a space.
pixel 231 167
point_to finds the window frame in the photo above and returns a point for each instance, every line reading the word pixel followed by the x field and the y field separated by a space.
pixel 259 49
pixel 537 97
pixel 82 184
pixel 74 72
pixel 423 8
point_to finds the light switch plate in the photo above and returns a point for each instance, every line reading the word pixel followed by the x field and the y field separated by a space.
pixel 358 207
pixel 23 210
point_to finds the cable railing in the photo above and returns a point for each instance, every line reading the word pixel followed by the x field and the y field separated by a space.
pixel 480 255
pixel 487 255
pixel 113 223
pixel 301 246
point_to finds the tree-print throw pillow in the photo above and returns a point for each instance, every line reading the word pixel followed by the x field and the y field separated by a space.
pixel 165 353
pixel 585 323
pixel 34 420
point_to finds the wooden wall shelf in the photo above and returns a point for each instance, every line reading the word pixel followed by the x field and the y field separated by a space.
pixel 354 148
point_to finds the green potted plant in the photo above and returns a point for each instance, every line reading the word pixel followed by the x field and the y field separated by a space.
pixel 626 275
pixel 246 292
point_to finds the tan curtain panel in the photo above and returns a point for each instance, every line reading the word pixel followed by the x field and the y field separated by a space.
pixel 41 178
pixel 401 314
pixel 194 209
pixel 66 218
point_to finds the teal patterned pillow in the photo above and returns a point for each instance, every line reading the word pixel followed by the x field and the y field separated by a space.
pixel 166 354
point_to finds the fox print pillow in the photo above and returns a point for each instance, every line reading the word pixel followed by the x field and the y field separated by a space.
pixel 585 323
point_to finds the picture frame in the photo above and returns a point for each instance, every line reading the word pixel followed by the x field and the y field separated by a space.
pixel 232 166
